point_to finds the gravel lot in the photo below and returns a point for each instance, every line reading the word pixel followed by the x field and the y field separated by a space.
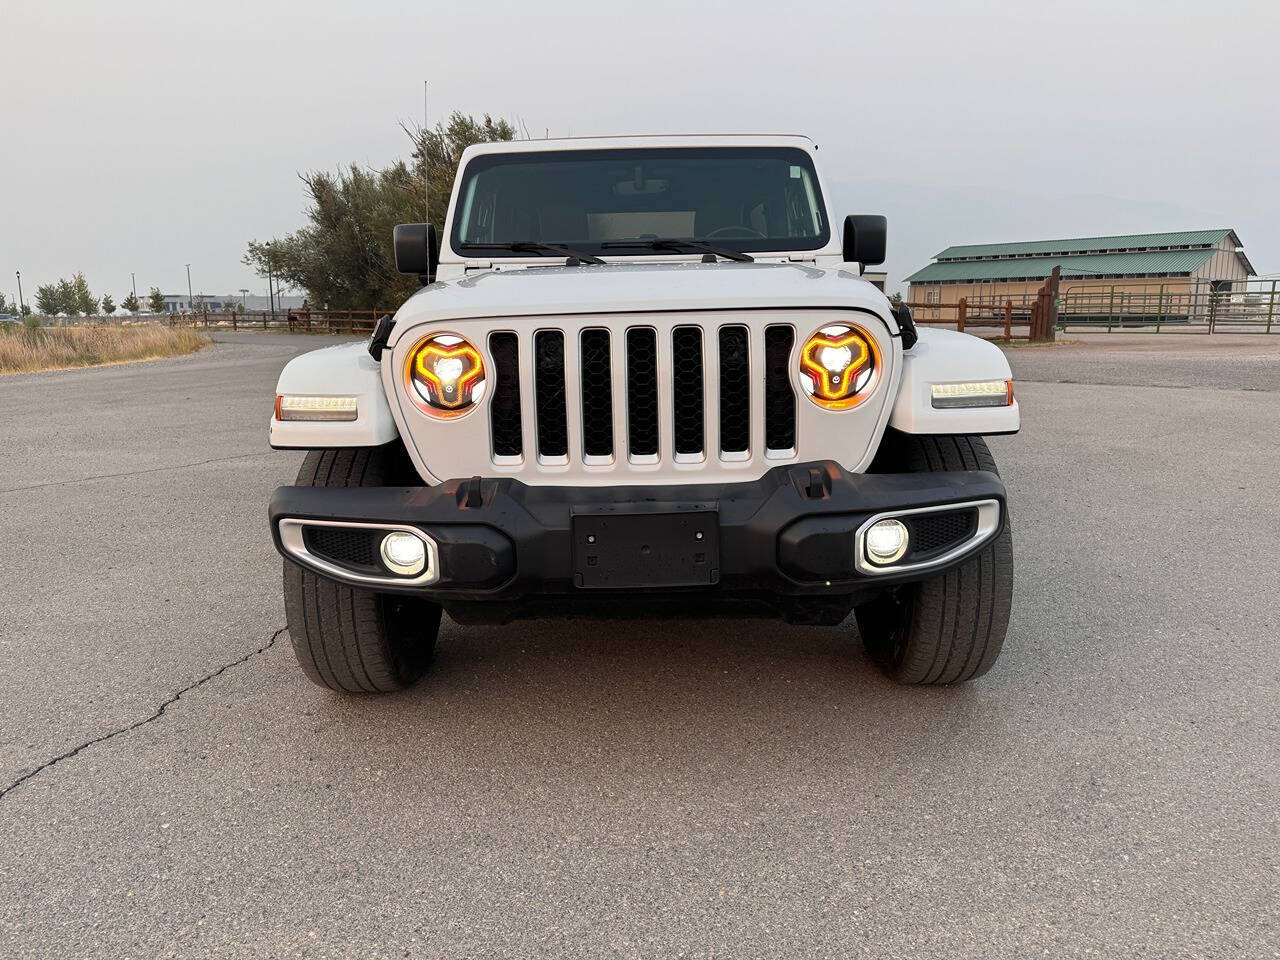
pixel 746 789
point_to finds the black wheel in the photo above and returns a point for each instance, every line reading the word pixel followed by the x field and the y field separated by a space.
pixel 347 638
pixel 949 629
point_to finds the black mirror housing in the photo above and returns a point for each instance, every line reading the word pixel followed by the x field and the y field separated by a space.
pixel 866 237
pixel 906 325
pixel 417 250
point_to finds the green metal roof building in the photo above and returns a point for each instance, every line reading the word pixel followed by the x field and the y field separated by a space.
pixel 1195 256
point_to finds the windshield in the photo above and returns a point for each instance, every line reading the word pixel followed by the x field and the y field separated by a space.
pixel 595 201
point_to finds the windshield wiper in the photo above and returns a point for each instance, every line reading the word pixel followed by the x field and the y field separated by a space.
pixel 678 244
pixel 536 246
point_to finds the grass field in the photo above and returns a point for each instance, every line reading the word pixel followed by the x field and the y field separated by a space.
pixel 56 348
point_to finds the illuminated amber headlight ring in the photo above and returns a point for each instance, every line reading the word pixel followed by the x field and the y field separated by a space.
pixel 444 375
pixel 841 365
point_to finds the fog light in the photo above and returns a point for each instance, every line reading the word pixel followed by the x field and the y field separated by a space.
pixel 404 553
pixel 886 541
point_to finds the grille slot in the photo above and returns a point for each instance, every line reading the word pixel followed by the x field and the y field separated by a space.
pixel 347 547
pixel 505 409
pixel 609 391
pixel 642 392
pixel 735 390
pixel 597 394
pixel 688 413
pixel 935 532
pixel 553 427
pixel 779 397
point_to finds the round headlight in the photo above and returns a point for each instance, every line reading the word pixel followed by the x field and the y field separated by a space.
pixel 445 375
pixel 841 364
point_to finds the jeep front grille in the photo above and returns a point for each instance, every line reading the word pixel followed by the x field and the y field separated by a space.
pixel 599 397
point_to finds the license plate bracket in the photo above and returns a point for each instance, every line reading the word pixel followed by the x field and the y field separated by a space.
pixel 623 546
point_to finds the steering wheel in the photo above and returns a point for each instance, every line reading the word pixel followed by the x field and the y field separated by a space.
pixel 736 231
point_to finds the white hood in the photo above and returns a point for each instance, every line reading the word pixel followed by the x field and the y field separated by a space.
pixel 640 288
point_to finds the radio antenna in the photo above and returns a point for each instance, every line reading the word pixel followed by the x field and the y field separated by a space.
pixel 426 170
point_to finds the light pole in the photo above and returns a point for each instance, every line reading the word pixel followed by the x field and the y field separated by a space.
pixel 271 292
pixel 22 307
pixel 133 280
pixel 190 298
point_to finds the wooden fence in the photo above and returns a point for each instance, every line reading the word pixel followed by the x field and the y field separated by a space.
pixel 1251 306
pixel 339 322
pixel 1032 316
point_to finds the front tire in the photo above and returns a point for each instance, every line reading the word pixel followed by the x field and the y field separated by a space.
pixel 347 638
pixel 951 628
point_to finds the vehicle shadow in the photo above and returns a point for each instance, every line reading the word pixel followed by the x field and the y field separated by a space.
pixel 670 698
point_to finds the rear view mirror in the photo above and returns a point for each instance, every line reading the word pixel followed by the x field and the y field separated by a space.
pixel 865 238
pixel 417 250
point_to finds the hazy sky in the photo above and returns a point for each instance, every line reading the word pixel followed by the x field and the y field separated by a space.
pixel 139 135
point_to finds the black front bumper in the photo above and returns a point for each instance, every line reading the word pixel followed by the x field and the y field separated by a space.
pixel 783 543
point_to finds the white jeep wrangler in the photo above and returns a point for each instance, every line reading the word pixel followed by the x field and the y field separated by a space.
pixel 644 377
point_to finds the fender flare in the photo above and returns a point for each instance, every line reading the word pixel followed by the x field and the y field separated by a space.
pixel 945 356
pixel 345 370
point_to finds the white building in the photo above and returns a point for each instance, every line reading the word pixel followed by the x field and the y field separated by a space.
pixel 179 303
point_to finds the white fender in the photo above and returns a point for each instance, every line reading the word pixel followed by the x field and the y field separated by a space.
pixel 944 356
pixel 345 370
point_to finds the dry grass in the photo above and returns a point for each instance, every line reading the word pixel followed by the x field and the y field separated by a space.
pixel 57 348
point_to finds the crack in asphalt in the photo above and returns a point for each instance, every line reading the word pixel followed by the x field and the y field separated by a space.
pixel 159 712
pixel 137 473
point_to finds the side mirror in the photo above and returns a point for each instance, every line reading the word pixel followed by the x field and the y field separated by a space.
pixel 865 238
pixel 417 250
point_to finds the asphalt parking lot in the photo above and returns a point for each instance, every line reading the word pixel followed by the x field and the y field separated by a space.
pixel 173 786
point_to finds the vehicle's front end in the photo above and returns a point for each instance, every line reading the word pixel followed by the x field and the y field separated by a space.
pixel 720 421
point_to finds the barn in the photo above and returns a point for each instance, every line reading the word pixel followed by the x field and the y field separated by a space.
pixel 1155 269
